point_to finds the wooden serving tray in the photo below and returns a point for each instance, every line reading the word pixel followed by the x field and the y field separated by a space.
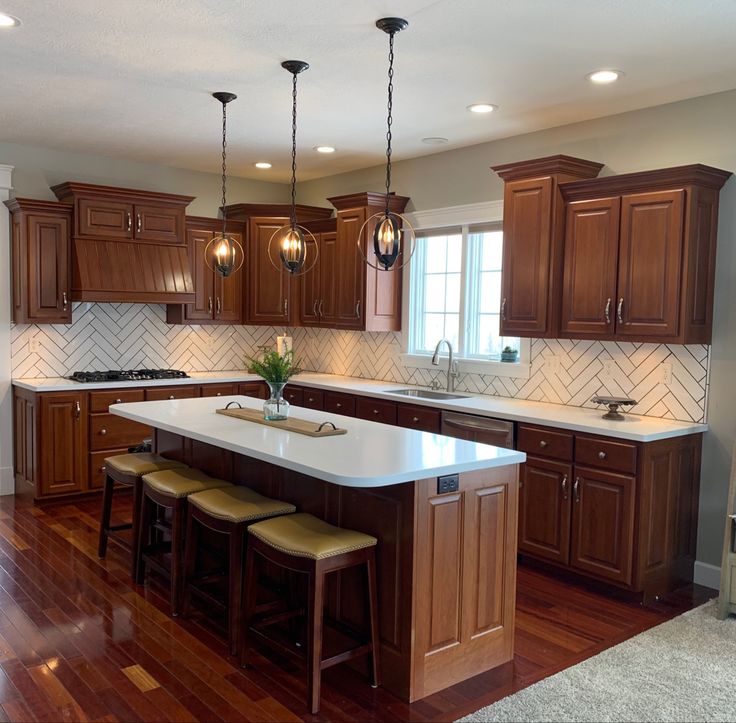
pixel 292 424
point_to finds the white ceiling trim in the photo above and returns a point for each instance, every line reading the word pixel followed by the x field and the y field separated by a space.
pixel 464 215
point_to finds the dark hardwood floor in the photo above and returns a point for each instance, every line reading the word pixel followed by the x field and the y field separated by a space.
pixel 79 642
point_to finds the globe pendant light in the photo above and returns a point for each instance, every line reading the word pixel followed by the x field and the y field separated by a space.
pixel 224 254
pixel 390 229
pixel 293 239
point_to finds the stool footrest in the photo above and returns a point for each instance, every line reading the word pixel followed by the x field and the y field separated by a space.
pixel 344 657
pixel 119 528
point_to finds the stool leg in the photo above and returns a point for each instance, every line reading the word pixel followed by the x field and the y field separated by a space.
pixel 177 544
pixel 107 493
pixel 144 537
pixel 250 599
pixel 315 612
pixel 136 529
pixel 190 558
pixel 373 611
pixel 235 584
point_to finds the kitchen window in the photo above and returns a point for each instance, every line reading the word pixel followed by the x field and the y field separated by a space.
pixel 455 293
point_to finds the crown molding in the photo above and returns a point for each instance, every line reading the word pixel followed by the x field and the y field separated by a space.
pixel 463 215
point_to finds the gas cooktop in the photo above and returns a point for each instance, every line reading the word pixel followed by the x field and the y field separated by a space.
pixel 131 375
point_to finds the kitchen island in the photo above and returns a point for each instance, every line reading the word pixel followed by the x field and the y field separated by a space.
pixel 446 559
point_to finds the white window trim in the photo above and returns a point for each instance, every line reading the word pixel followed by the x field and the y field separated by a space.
pixel 453 216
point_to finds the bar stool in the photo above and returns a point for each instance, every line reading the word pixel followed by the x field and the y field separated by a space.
pixel 168 490
pixel 228 510
pixel 306 544
pixel 128 469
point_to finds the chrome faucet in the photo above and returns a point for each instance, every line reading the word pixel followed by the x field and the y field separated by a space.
pixel 451 363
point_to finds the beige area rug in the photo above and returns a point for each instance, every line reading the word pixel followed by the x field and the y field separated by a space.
pixel 681 670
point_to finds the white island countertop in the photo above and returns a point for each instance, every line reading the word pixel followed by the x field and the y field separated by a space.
pixel 369 455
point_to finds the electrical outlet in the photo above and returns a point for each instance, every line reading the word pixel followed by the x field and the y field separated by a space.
pixel 34 345
pixel 448 483
pixel 552 363
pixel 665 370
pixel 608 368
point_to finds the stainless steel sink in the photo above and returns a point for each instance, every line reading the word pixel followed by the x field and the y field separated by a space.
pixel 424 394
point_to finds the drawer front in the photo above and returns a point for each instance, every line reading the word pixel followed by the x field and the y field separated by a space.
pixel 339 403
pixel 96 477
pixel 108 431
pixel 314 398
pixel 294 395
pixel 100 401
pixel 424 419
pixel 253 389
pixel 605 453
pixel 219 390
pixel 171 393
pixel 545 442
pixel 376 410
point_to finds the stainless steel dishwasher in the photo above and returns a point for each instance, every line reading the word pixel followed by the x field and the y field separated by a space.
pixel 485 430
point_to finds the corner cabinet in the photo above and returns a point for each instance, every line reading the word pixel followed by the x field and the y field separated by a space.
pixel 533 227
pixel 41 261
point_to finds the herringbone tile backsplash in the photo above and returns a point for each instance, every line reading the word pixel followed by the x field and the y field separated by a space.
pixel 129 336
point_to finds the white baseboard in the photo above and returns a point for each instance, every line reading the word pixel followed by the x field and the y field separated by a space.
pixel 7 481
pixel 707 574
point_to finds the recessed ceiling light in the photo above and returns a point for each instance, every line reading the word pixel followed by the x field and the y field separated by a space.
pixel 603 77
pixel 434 140
pixel 8 21
pixel 324 149
pixel 482 108
pixel 262 164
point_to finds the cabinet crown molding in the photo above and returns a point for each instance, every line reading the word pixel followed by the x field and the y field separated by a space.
pixel 243 211
pixel 70 189
pixel 32 204
pixel 370 199
pixel 548 166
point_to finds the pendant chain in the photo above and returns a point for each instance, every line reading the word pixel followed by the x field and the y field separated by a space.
pixel 390 118
pixel 293 155
pixel 224 166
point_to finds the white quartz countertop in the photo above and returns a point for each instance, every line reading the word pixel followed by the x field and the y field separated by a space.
pixel 634 427
pixel 369 455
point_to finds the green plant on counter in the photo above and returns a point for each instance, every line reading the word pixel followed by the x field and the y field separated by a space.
pixel 274 367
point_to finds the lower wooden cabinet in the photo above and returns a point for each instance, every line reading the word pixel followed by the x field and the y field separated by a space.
pixel 62 426
pixel 253 389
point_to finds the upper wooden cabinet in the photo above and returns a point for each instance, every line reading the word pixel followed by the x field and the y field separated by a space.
pixel 365 299
pixel 317 287
pixel 217 300
pixel 533 228
pixel 640 256
pixel 41 261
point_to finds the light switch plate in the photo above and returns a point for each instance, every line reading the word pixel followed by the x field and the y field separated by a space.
pixel 665 370
pixel 552 363
pixel 34 345
pixel 608 368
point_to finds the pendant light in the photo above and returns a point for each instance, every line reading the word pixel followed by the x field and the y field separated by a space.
pixel 224 254
pixel 392 231
pixel 293 240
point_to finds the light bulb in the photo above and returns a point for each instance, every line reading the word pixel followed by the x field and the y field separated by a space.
pixel 386 238
pixel 293 250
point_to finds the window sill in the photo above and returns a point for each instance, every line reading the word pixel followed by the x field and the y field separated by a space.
pixel 514 370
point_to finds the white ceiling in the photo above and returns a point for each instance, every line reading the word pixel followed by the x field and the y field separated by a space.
pixel 131 78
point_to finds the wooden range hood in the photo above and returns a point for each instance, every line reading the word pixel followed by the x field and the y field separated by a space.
pixel 128 245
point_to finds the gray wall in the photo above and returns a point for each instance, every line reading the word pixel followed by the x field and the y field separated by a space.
pixel 700 130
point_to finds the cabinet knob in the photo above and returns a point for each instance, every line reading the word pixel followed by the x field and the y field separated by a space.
pixel 103 431
pixel 602 455
pixel 542 443
pixel 310 399
pixel 375 411
pixel 338 405
pixel 103 468
pixel 219 394
pixel 118 401
pixel 171 396
pixel 415 419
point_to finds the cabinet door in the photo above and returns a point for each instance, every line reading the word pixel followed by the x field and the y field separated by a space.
pixel 229 295
pixel 102 218
pixel 350 271
pixel 591 257
pixel 203 308
pixel 219 390
pixel 376 410
pixel 544 509
pixel 310 287
pixel 268 287
pixel 48 269
pixel 253 389
pixel 171 392
pixel 64 455
pixel 328 265
pixel 603 524
pixel 650 264
pixel 158 223
pixel 527 238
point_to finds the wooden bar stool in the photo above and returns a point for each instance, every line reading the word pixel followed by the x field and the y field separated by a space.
pixel 168 490
pixel 128 469
pixel 308 545
pixel 228 510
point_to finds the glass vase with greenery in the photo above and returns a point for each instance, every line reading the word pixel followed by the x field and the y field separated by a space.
pixel 276 370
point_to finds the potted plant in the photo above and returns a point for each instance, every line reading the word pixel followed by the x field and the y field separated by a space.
pixel 276 370
pixel 509 354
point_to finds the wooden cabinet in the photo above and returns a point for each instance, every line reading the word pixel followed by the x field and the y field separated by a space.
pixel 104 218
pixel 533 227
pixel 318 287
pixel 340 403
pixel 219 390
pixel 376 410
pixel 414 416
pixel 365 299
pixel 175 391
pixel 639 256
pixel 217 300
pixel 41 257
pixel 253 389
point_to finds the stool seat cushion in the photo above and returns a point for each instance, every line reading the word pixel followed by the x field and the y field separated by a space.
pixel 239 504
pixel 182 482
pixel 141 463
pixel 304 535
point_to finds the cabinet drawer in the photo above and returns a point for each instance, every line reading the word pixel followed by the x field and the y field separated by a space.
pixel 294 395
pixel 96 477
pixel 545 442
pixel 253 389
pixel 376 410
pixel 108 431
pixel 339 403
pixel 314 398
pixel 605 453
pixel 100 401
pixel 219 390
pixel 422 418
pixel 171 393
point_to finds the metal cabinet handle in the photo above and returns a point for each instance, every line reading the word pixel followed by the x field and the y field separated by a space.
pixel 319 311
pixel 218 306
pixel 564 487
pixel 77 410
pixel 357 309
pixel 607 312
pixel 130 221
pixel 286 307
pixel 315 310
pixel 209 304
pixel 139 223
pixel 64 300
pixel 576 489
pixel 103 431
pixel 542 443
pixel 602 455
pixel 503 310
pixel 620 310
